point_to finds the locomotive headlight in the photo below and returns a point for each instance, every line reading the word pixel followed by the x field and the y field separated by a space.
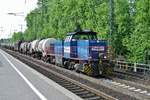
pixel 89 57
pixel 105 57
pixel 101 48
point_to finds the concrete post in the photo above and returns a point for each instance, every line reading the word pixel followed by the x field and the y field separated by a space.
pixel 135 69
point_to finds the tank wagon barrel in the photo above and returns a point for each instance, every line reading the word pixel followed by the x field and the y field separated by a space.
pixel 47 48
pixel 34 48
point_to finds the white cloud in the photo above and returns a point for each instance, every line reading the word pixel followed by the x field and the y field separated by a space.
pixel 10 23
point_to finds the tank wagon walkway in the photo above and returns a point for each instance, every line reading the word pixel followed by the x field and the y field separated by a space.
pixel 19 82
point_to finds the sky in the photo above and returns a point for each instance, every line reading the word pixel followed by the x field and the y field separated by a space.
pixel 11 23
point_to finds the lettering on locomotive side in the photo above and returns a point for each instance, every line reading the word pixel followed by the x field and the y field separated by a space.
pixel 66 49
pixel 96 48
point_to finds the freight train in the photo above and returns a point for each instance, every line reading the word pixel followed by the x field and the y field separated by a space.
pixel 80 51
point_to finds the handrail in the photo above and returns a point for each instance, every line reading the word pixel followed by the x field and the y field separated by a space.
pixel 139 68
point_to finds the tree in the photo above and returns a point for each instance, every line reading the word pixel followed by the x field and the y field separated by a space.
pixel 65 15
pixel 17 36
pixel 123 26
pixel 139 42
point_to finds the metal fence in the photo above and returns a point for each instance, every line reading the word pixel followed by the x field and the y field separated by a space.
pixel 141 69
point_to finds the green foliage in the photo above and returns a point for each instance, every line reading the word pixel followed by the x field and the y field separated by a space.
pixel 17 36
pixel 122 26
pixel 138 43
pixel 54 18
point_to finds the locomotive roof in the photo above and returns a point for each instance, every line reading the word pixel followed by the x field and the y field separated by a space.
pixel 84 31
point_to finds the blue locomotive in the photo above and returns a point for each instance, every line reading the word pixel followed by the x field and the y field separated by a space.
pixel 81 51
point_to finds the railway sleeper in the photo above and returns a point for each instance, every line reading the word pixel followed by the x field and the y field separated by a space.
pixel 83 92
pixel 65 82
pixel 75 88
pixel 87 95
pixel 95 98
pixel 69 85
pixel 80 90
pixel 57 79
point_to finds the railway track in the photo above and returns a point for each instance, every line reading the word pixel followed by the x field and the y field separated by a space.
pixel 88 90
pixel 83 91
pixel 133 77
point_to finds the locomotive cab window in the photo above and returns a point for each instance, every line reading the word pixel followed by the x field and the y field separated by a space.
pixel 85 36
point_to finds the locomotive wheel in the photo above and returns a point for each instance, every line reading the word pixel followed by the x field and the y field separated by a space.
pixel 66 64
pixel 71 65
pixel 78 67
pixel 48 60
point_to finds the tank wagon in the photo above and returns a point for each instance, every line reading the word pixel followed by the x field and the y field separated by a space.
pixel 7 45
pixel 17 45
pixel 34 48
pixel 46 49
pixel 23 47
pixel 28 48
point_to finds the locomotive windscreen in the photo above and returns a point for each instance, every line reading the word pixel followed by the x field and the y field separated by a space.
pixel 85 36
